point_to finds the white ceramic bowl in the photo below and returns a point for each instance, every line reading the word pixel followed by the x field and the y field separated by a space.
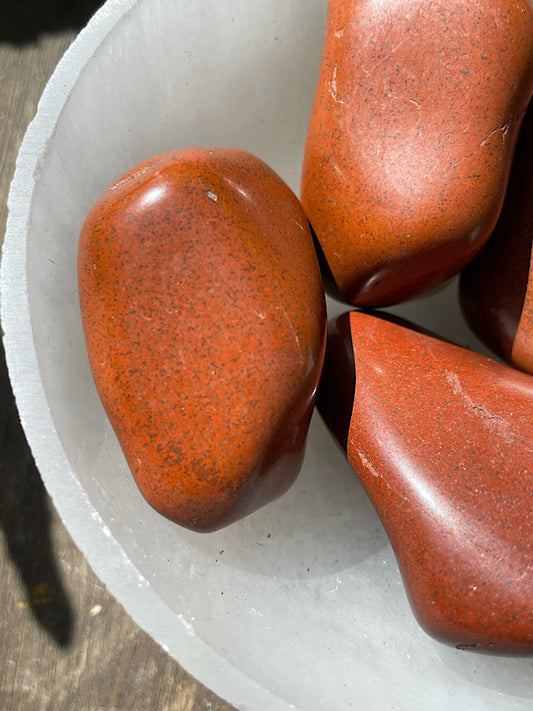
pixel 299 606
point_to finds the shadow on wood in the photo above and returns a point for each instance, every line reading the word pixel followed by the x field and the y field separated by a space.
pixel 26 20
pixel 25 519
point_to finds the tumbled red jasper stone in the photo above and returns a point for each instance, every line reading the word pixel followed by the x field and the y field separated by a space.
pixel 496 288
pixel 411 136
pixel 204 318
pixel 442 440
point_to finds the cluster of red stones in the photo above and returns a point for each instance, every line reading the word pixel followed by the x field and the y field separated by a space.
pixel 411 141
pixel 204 312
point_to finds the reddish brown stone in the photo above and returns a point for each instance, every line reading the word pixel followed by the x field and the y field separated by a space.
pixel 442 440
pixel 496 288
pixel 411 136
pixel 204 317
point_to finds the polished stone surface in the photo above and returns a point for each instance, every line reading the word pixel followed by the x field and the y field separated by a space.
pixel 411 136
pixel 496 288
pixel 442 440
pixel 204 315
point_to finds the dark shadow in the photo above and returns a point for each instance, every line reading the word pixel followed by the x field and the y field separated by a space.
pixel 25 519
pixel 26 20
pixel 330 285
pixel 336 392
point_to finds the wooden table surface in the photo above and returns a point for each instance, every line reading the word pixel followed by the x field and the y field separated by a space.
pixel 65 643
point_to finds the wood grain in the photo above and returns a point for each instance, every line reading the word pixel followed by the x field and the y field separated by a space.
pixel 65 643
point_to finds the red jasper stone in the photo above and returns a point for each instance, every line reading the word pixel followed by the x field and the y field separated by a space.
pixel 411 136
pixel 442 440
pixel 496 288
pixel 204 316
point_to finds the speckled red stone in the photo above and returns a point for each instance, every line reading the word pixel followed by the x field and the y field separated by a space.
pixel 442 439
pixel 204 315
pixel 411 135
pixel 496 288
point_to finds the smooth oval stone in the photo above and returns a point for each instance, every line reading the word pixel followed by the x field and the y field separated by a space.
pixel 496 288
pixel 411 136
pixel 204 316
pixel 442 440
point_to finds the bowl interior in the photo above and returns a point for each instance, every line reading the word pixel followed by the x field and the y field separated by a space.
pixel 300 605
